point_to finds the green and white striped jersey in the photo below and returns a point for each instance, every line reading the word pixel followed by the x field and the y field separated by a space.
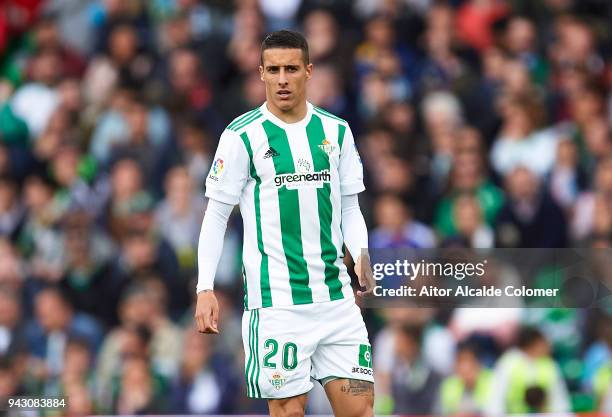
pixel 288 179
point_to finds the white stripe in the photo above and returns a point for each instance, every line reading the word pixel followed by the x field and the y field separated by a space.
pixel 309 218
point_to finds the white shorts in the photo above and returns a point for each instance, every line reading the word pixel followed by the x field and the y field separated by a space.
pixel 287 346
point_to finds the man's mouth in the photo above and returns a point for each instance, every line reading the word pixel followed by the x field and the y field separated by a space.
pixel 283 94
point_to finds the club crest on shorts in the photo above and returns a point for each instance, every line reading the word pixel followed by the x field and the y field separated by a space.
pixel 327 147
pixel 277 380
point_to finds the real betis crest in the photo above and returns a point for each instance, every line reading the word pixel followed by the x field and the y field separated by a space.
pixel 277 380
pixel 327 147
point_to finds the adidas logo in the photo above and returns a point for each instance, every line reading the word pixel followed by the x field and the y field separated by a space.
pixel 271 153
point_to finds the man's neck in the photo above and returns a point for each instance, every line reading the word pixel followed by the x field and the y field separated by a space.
pixel 290 116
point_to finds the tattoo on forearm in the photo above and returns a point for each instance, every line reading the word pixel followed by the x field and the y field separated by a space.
pixel 358 388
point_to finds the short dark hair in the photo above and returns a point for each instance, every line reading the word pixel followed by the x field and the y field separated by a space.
pixel 528 336
pixel 286 39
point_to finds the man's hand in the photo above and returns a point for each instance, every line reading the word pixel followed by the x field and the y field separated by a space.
pixel 363 269
pixel 207 312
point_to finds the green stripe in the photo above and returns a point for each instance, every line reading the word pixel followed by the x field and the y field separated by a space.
pixel 247 371
pixel 341 130
pixel 245 287
pixel 328 114
pixel 289 206
pixel 241 118
pixel 257 353
pixel 255 358
pixel 329 253
pixel 248 121
pixel 264 275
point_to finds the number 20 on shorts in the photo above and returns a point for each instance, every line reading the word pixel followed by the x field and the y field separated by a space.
pixel 288 355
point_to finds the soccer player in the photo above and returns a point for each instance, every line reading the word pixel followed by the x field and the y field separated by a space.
pixel 295 172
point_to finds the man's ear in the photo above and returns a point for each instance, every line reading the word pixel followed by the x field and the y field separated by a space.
pixel 261 73
pixel 309 71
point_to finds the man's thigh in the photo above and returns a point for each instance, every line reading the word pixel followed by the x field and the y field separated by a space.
pixel 351 397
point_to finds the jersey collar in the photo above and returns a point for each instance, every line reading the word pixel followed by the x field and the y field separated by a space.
pixel 280 123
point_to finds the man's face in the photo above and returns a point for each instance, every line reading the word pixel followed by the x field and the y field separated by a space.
pixel 285 75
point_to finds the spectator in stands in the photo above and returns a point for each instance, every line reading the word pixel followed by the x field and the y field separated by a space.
pixel 467 390
pixel 86 279
pixel 396 226
pixel 530 218
pixel 38 239
pixel 566 179
pixel 128 193
pixel 78 362
pixel 468 176
pixel 12 273
pixel 11 209
pixel 196 150
pixel 54 324
pixel 591 210
pixel 468 218
pixel 520 141
pixel 442 115
pixel 179 216
pixel 597 375
pixel 413 383
pixel 206 382
pixel 12 336
pixel 10 384
pixel 143 306
pixel 139 390
pixel 81 402
pixel 527 379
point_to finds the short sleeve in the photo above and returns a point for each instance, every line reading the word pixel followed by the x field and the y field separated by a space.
pixel 229 170
pixel 351 168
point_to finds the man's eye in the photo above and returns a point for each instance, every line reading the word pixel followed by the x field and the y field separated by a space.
pixel 273 70
pixel 292 69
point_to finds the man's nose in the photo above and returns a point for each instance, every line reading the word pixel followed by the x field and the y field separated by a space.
pixel 282 77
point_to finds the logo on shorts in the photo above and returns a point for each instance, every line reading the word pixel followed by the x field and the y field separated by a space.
pixel 365 356
pixel 277 380
pixel 362 371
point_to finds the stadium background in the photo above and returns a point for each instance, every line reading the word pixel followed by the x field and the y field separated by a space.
pixel 482 123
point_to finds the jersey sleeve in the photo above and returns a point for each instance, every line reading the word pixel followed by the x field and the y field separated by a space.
pixel 351 168
pixel 229 170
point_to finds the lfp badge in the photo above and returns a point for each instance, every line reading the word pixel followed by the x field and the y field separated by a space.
pixel 217 166
pixel 277 380
pixel 216 169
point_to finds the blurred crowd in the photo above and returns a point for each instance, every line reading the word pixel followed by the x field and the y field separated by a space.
pixel 481 123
